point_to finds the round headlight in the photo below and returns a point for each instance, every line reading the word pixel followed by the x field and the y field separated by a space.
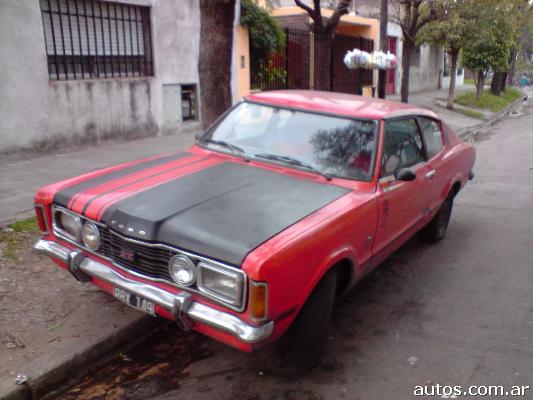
pixel 90 236
pixel 182 270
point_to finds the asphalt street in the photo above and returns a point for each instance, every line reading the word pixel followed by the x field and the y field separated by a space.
pixel 456 313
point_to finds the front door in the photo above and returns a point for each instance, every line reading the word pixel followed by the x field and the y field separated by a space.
pixel 390 87
pixel 401 204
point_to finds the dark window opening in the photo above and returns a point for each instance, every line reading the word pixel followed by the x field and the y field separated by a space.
pixel 189 103
pixel 88 39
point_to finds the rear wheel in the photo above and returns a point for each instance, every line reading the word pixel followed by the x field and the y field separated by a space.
pixel 308 334
pixel 436 230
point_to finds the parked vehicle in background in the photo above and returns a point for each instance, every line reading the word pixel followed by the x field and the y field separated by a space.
pixel 288 200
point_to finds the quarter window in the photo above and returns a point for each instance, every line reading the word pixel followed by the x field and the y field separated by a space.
pixel 402 146
pixel 432 136
pixel 96 39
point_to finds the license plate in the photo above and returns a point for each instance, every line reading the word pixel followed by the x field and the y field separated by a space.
pixel 135 301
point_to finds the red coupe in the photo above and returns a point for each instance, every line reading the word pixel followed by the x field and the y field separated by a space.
pixel 285 202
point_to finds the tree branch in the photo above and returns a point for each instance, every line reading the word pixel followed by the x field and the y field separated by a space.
pixel 307 9
pixel 342 9
pixel 432 16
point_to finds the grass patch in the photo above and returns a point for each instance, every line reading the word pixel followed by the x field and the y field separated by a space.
pixel 25 225
pixel 469 82
pixel 489 101
pixel 10 240
pixel 470 113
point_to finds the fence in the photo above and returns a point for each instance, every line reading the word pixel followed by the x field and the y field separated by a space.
pixel 286 69
pixel 290 67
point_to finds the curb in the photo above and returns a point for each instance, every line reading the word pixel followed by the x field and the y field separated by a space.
pixel 470 134
pixel 48 372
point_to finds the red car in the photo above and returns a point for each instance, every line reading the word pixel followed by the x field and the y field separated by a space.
pixel 285 202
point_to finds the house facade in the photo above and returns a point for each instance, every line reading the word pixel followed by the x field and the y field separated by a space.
pixel 293 68
pixel 78 71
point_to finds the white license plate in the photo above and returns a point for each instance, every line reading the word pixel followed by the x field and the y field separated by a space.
pixel 134 301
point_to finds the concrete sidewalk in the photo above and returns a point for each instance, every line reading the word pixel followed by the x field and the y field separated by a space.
pixel 19 179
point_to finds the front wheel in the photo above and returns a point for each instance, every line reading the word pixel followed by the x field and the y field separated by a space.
pixel 308 334
pixel 436 230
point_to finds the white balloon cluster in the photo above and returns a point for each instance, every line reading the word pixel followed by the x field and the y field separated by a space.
pixel 375 60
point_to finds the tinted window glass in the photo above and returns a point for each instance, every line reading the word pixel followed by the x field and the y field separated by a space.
pixel 338 146
pixel 432 135
pixel 402 146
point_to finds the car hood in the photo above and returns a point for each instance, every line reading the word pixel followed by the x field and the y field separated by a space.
pixel 205 205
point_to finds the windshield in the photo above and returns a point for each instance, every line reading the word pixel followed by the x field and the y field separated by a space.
pixel 333 146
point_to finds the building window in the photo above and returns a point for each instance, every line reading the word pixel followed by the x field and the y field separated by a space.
pixel 88 39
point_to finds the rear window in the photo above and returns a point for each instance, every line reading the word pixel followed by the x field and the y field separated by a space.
pixel 432 136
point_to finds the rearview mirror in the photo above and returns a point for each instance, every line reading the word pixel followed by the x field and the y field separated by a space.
pixel 405 174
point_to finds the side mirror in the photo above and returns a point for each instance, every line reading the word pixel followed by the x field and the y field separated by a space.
pixel 405 174
pixel 198 135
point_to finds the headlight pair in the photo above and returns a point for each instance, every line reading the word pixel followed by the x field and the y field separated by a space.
pixel 72 227
pixel 215 281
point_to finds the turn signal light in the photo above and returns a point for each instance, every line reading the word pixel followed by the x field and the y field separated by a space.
pixel 41 218
pixel 258 300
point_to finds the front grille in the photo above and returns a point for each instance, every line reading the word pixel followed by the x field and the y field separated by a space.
pixel 149 261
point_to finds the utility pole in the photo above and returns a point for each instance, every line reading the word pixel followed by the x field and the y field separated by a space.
pixel 383 45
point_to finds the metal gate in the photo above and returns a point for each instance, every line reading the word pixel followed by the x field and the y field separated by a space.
pixel 290 67
pixel 286 69
pixel 345 80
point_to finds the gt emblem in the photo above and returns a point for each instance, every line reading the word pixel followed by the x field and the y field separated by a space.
pixel 128 255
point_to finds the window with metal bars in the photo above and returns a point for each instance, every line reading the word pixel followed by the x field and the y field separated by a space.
pixel 88 39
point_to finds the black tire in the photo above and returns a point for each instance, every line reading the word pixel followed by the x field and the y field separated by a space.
pixel 308 334
pixel 436 230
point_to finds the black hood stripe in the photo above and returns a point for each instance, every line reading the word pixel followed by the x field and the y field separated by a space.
pixel 63 197
pixel 144 178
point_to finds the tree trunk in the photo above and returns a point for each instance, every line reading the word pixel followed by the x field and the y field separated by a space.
pixel 496 84
pixel 323 48
pixel 479 84
pixel 214 61
pixel 453 73
pixel 407 48
pixel 505 76
pixel 384 46
pixel 510 78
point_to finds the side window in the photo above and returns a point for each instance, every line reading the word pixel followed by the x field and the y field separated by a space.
pixel 402 146
pixel 432 135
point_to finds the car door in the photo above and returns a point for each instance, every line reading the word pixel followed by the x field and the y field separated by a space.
pixel 401 204
pixel 436 173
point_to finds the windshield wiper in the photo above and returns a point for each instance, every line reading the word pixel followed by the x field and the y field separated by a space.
pixel 292 161
pixel 234 148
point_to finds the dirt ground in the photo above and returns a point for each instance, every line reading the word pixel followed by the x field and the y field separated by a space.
pixel 42 308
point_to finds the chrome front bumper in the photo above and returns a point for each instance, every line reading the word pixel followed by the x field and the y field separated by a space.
pixel 180 305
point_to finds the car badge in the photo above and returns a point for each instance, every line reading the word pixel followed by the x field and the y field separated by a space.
pixel 127 255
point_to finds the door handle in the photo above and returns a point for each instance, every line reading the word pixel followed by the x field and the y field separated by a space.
pixel 430 174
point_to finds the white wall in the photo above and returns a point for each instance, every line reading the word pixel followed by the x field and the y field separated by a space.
pixel 35 111
pixel 426 75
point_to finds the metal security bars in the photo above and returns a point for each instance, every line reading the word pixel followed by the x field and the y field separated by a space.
pixel 285 69
pixel 88 39
pixel 290 68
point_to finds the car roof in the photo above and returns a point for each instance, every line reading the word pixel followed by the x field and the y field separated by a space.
pixel 338 103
